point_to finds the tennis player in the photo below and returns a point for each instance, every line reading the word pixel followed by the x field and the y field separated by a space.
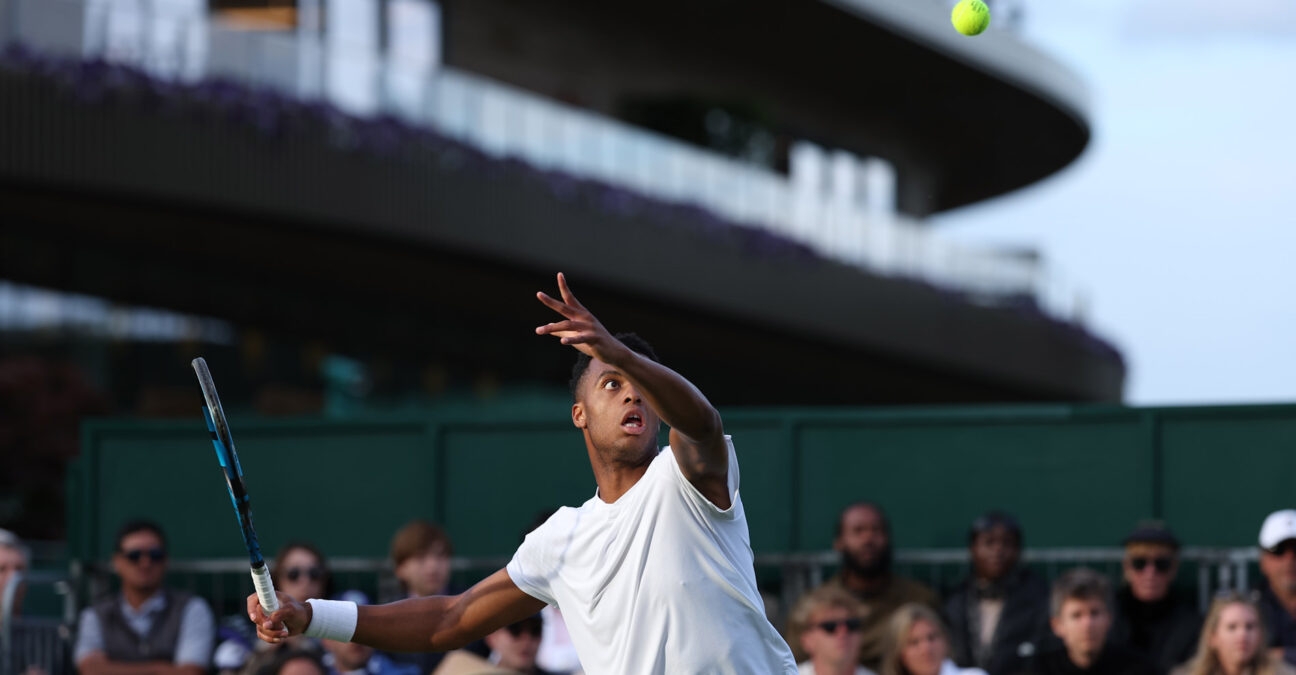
pixel 653 574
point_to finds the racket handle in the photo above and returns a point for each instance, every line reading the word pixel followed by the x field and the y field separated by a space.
pixel 265 589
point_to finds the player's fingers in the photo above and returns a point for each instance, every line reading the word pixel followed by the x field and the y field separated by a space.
pixel 254 609
pixel 556 305
pixel 569 326
pixel 567 295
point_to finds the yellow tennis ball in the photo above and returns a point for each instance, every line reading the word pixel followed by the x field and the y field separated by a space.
pixel 971 17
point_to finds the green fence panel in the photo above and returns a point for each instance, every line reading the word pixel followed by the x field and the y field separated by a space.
pixel 1225 469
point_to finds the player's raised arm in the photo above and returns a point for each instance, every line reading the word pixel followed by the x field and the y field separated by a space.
pixel 696 432
pixel 434 623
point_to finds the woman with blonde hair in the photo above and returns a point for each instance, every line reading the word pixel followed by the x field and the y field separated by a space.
pixel 918 644
pixel 826 633
pixel 1232 642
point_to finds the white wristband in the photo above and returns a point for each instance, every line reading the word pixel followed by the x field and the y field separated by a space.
pixel 332 620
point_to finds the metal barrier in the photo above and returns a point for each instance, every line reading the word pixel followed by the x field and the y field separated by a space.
pixel 784 577
pixel 36 645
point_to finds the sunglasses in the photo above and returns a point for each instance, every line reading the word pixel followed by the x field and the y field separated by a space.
pixel 295 573
pixel 136 555
pixel 530 628
pixel 1161 564
pixel 1282 549
pixel 852 625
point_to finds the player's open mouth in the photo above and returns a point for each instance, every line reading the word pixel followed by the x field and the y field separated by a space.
pixel 632 423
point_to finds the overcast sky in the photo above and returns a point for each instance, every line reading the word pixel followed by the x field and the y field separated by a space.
pixel 1179 221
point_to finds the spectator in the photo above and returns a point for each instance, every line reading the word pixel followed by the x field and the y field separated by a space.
pixel 1082 618
pixel 146 629
pixel 421 553
pixel 916 644
pixel 515 646
pixel 15 558
pixel 1278 596
pixel 353 658
pixel 863 539
pixel 825 633
pixel 1150 617
pixel 293 662
pixel 999 613
pixel 299 570
pixel 1232 642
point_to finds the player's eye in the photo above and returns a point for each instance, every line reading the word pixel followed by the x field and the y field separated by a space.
pixel 610 384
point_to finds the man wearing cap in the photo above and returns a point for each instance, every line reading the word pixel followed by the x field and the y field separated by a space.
pixel 1150 617
pixel 1278 596
pixel 999 614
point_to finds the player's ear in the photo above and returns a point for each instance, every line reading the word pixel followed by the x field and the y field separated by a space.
pixel 578 415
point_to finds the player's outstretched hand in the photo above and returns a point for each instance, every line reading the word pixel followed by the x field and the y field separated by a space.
pixel 580 328
pixel 290 619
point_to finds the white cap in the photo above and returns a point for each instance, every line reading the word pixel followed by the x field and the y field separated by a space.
pixel 1278 527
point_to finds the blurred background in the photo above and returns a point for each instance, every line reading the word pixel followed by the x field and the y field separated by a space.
pixel 944 273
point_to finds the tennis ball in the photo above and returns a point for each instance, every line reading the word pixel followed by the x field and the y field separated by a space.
pixel 971 17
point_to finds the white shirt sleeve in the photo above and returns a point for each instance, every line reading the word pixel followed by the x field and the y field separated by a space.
pixel 701 501
pixel 531 566
pixel 89 636
pixel 197 634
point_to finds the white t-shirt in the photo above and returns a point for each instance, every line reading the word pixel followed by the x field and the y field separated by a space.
pixel 659 582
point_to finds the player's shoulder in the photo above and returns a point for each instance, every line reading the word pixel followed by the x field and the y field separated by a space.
pixel 561 521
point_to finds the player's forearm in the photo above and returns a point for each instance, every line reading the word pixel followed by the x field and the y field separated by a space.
pixel 413 625
pixel 677 401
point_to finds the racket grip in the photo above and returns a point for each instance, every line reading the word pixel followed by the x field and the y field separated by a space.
pixel 265 589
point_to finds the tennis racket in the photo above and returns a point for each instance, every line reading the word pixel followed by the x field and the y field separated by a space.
pixel 229 461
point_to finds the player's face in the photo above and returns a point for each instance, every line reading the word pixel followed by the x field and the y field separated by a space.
pixel 11 561
pixel 427 573
pixel 863 536
pixel 1236 637
pixel 994 552
pixel 924 650
pixel 840 645
pixel 302 575
pixel 1149 569
pixel 141 561
pixel 1082 624
pixel 615 418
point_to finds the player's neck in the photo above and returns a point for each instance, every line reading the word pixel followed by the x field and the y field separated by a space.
pixel 614 482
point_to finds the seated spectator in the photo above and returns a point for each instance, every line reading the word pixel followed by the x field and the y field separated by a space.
pixel 825 633
pixel 863 539
pixel 293 662
pixel 1232 642
pixel 420 552
pixel 352 658
pixel 14 561
pixel 1150 617
pixel 146 628
pixel 514 647
pixel 1278 593
pixel 999 614
pixel 916 644
pixel 1081 609
pixel 299 570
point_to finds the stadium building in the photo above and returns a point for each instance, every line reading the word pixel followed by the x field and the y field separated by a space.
pixel 324 194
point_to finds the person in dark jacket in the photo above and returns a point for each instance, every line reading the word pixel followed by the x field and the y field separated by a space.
pixel 998 615
pixel 1150 616
pixel 1081 618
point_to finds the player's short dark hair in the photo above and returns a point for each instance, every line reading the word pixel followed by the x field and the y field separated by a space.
pixel 1080 583
pixel 634 342
pixel 139 525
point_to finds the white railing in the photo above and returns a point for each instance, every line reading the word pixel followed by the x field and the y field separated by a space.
pixel 175 39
